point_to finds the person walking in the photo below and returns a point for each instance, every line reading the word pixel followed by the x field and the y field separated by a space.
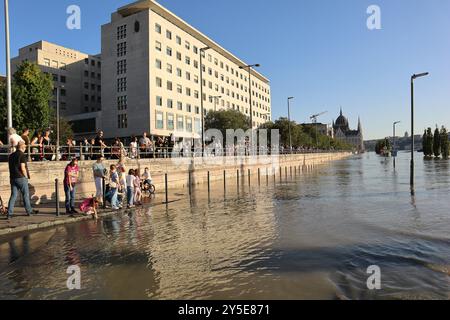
pixel 99 171
pixel 130 188
pixel 19 176
pixel 114 187
pixel 70 181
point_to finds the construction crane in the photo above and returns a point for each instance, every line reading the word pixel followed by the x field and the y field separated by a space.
pixel 314 117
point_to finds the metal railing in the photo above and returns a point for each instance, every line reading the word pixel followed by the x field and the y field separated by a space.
pixel 84 152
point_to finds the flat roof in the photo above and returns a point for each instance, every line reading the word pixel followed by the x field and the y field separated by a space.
pixel 142 5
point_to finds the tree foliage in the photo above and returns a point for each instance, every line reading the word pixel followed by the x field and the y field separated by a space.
pixel 226 119
pixel 444 143
pixel 437 143
pixel 31 93
pixel 383 146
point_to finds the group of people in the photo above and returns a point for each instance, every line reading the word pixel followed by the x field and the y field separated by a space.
pixel 121 187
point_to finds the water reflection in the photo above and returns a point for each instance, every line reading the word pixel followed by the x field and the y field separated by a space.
pixel 309 236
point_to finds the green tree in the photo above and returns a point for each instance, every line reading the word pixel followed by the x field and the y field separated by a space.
pixel 444 143
pixel 31 93
pixel 428 150
pixel 437 143
pixel 226 119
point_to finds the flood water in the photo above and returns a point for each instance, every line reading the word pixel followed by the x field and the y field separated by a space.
pixel 307 237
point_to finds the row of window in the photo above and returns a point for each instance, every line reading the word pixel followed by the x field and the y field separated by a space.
pixel 169 69
pixel 55 64
pixel 94 98
pixel 93 86
pixel 170 121
pixel 216 61
pixel 93 63
pixel 93 75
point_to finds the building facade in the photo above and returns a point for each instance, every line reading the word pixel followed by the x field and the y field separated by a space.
pixel 77 74
pixel 151 76
pixel 342 132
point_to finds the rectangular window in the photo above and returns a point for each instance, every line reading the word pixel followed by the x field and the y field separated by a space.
pixel 170 121
pixel 170 103
pixel 169 51
pixel 122 103
pixel 188 60
pixel 158 82
pixel 180 123
pixel 121 84
pixel 179 72
pixel 188 124
pixel 198 126
pixel 63 79
pixel 62 65
pixel 121 32
pixel 159 120
pixel 187 45
pixel 159 101
pixel 179 56
pixel 169 35
pixel 158 64
pixel 188 76
pixel 47 62
pixel 121 49
pixel 158 45
pixel 188 108
pixel 179 106
pixel 179 88
pixel 122 121
pixel 169 68
pixel 169 85
pixel 178 40
pixel 157 28
pixel 121 67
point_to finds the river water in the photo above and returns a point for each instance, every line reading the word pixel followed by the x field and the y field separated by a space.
pixel 312 236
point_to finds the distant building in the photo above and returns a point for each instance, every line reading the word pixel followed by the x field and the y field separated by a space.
pixel 151 71
pixel 342 132
pixel 322 128
pixel 77 74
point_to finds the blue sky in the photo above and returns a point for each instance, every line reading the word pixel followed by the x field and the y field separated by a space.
pixel 319 51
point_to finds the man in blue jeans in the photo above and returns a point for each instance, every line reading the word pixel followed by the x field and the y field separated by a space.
pixel 19 175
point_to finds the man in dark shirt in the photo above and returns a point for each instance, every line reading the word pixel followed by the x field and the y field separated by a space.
pixel 19 175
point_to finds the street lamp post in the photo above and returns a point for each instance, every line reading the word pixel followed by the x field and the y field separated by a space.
pixel 393 138
pixel 8 69
pixel 249 69
pixel 57 121
pixel 413 77
pixel 202 52
pixel 289 122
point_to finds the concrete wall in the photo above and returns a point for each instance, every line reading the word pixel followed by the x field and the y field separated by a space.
pixel 43 174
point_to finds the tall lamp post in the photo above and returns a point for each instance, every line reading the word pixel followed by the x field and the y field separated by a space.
pixel 249 69
pixel 394 151
pixel 289 122
pixel 58 102
pixel 413 77
pixel 8 69
pixel 216 99
pixel 202 52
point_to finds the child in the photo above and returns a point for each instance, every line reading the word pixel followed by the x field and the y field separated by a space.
pixel 130 188
pixel 89 207
pixel 147 177
pixel 137 188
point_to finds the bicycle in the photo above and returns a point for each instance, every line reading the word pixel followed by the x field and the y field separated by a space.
pixel 148 188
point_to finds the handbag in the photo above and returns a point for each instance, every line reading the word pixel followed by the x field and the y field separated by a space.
pixel 113 185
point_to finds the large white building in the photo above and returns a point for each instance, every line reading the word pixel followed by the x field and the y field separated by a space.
pixel 151 75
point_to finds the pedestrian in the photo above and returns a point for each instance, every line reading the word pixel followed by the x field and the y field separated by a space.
pixel 130 188
pixel 99 171
pixel 25 136
pixel 70 181
pixel 114 187
pixel 89 207
pixel 100 145
pixel 134 148
pixel 19 176
pixel 14 139
pixel 137 188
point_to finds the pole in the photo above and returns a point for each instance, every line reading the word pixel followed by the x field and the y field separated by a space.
pixel 251 107
pixel 104 192
pixel 201 101
pixel 412 136
pixel 8 69
pixel 289 123
pixel 57 196
pixel 166 187
pixel 57 123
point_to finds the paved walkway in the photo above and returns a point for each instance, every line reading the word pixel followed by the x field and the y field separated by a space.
pixel 20 222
